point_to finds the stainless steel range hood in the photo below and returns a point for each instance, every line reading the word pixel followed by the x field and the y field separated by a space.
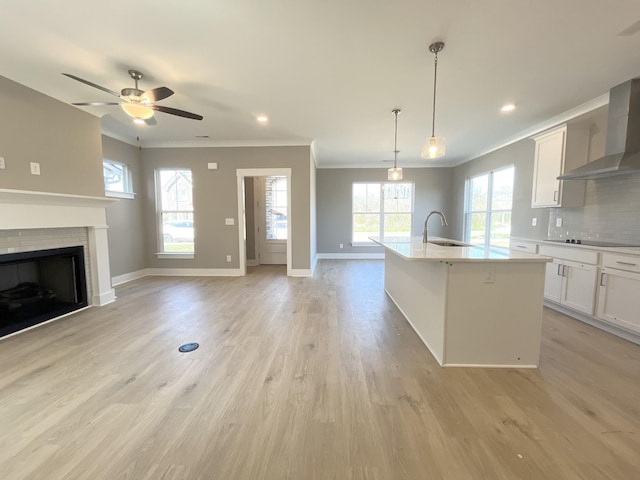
pixel 622 150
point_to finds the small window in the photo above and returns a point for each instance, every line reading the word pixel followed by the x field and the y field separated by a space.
pixel 381 209
pixel 175 211
pixel 117 179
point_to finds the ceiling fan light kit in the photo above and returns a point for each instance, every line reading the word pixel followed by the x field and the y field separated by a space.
pixel 395 173
pixel 434 146
pixel 136 103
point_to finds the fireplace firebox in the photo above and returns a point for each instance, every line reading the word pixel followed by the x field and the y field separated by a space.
pixel 41 285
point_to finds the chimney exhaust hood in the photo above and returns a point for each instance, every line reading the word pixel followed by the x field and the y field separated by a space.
pixel 622 150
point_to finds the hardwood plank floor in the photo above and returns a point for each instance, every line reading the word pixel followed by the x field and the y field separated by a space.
pixel 303 378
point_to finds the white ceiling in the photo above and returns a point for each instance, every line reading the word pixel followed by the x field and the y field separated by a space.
pixel 328 71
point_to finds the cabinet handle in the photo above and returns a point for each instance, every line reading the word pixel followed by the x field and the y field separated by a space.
pixel 555 196
pixel 627 263
pixel 560 274
pixel 602 279
pixel 564 267
pixel 521 246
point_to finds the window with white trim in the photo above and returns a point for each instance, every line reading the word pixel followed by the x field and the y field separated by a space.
pixel 381 209
pixel 117 179
pixel 489 198
pixel 174 189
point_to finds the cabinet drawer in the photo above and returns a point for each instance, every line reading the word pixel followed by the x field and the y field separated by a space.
pixel 523 246
pixel 569 253
pixel 630 263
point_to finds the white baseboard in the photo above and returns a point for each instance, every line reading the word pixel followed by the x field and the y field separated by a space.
pixel 252 263
pixel 195 272
pixel 103 298
pixel 299 272
pixel 128 277
pixel 351 256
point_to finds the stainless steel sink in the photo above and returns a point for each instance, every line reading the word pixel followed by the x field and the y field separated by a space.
pixel 446 243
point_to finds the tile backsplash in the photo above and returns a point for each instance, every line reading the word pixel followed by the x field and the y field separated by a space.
pixel 611 212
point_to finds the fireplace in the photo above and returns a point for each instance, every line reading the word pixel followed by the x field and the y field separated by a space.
pixel 37 286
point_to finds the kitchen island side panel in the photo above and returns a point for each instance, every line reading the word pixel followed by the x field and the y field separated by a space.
pixel 494 314
pixel 419 290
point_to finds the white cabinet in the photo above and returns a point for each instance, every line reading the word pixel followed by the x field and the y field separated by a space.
pixel 572 278
pixel 619 296
pixel 523 246
pixel 558 151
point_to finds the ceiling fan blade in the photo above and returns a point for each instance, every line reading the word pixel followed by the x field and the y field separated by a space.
pixel 95 104
pixel 151 121
pixel 91 84
pixel 156 94
pixel 175 111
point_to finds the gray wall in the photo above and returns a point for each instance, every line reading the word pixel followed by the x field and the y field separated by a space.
pixel 215 198
pixel 334 190
pixel 65 141
pixel 126 217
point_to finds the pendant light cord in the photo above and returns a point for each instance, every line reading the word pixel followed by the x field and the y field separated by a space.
pixel 435 79
pixel 395 140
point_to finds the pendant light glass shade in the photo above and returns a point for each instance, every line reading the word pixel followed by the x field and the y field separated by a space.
pixel 395 173
pixel 434 146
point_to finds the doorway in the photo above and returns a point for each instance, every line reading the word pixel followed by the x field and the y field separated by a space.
pixel 269 225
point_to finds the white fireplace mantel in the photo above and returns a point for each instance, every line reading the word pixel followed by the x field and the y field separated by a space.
pixel 21 209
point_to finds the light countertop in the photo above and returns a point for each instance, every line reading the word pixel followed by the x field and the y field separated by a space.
pixel 631 250
pixel 412 248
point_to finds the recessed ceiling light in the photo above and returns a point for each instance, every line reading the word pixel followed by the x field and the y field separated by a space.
pixel 262 118
pixel 509 107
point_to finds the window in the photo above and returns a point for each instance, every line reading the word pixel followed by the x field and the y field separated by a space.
pixel 381 209
pixel 175 210
pixel 117 179
pixel 276 207
pixel 488 208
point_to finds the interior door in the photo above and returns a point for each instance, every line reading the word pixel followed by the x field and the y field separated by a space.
pixel 273 217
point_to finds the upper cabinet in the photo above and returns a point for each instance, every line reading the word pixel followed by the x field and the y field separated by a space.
pixel 558 151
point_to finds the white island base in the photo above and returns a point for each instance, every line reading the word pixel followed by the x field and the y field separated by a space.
pixel 479 313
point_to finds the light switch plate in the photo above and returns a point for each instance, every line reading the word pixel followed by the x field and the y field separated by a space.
pixel 229 221
pixel 558 222
pixel 534 221
pixel 212 165
pixel 35 168
pixel 1 163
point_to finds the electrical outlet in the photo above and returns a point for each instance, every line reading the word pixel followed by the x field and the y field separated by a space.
pixel 228 258
pixel 35 168
pixel 1 163
pixel 212 166
pixel 342 245
pixel 558 222
pixel 534 221
pixel 229 221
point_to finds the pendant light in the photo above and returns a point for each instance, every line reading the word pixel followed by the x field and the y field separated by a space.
pixel 435 146
pixel 395 173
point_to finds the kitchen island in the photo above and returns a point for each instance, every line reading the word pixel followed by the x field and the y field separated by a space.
pixel 472 307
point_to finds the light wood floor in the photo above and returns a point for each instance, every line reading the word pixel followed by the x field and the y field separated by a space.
pixel 303 379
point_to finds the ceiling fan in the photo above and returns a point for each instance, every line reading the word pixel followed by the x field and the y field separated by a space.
pixel 137 103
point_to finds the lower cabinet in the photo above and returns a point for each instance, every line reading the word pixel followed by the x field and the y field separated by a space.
pixel 619 295
pixel 572 284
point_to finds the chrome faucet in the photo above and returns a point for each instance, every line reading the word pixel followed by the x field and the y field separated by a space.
pixel 443 219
